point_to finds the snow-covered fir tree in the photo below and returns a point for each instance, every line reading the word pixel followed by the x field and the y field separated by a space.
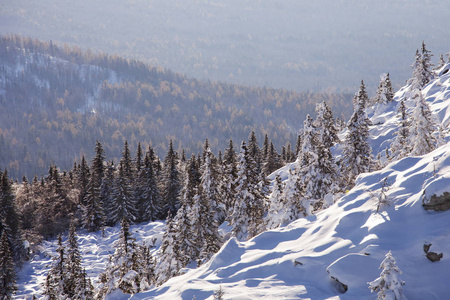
pixel 170 260
pixel 249 208
pixel 129 267
pixel 8 286
pixel 422 128
pixel 441 62
pixel 254 151
pixel 272 160
pixel 78 285
pixel 357 151
pixel 388 285
pixel 422 69
pixel 275 214
pixel 401 146
pixel 206 212
pixel 318 171
pixel 55 285
pixel 385 93
pixel 107 193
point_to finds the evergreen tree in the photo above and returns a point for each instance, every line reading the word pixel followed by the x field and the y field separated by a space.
pixel 384 91
pixel 170 259
pixel 55 286
pixel 149 199
pixel 172 184
pixel 227 185
pixel 400 146
pixel 272 161
pixel 254 151
pixel 421 135
pixel 205 212
pixel 123 202
pixel 8 286
pixel 10 218
pixel 276 205
pixel 77 284
pixel 93 213
pixel 388 285
pixel 249 208
pixel 441 62
pixel 422 69
pixel 326 125
pixel 82 179
pixel 357 151
pixel 129 268
pixel 107 193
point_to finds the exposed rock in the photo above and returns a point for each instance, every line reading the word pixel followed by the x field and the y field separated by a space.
pixel 437 203
pixel 342 288
pixel 433 256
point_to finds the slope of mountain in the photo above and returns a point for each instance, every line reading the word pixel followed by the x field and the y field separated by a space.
pixel 347 241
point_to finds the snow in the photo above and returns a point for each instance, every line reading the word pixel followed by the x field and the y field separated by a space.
pixel 347 241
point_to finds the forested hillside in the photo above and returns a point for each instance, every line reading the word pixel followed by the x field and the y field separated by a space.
pixel 56 101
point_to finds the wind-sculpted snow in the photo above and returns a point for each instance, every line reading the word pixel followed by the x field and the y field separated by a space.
pixel 346 241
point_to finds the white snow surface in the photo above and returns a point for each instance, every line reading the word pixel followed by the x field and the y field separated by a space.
pixel 348 240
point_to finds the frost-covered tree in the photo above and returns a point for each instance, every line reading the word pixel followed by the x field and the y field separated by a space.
pixel 401 146
pixel 277 205
pixel 388 285
pixel 325 125
pixel 254 151
pixel 55 286
pixel 206 211
pixel 441 62
pixel 357 151
pixel 422 128
pixel 422 69
pixel 384 91
pixel 170 260
pixel 249 208
pixel 8 286
pixel 77 284
pixel 272 160
pixel 129 266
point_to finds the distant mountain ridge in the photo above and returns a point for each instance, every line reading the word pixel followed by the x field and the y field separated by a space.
pixel 56 101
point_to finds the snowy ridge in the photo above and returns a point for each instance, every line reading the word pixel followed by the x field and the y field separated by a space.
pixel 347 241
pixel 350 239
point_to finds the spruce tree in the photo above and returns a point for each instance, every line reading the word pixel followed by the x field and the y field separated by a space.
pixel 422 69
pixel 205 212
pixel 227 185
pixel 171 182
pixel 421 135
pixel 400 146
pixel 249 208
pixel 8 286
pixel 55 286
pixel 357 151
pixel 254 151
pixel 384 91
pixel 326 125
pixel 276 205
pixel 170 259
pixel 388 285
pixel 10 218
pixel 149 199
pixel 130 267
pixel 272 161
pixel 93 212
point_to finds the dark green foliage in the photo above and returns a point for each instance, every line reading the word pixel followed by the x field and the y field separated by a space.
pixel 8 286
pixel 171 182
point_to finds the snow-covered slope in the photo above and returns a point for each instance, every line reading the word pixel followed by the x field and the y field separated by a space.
pixel 347 241
pixel 350 236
